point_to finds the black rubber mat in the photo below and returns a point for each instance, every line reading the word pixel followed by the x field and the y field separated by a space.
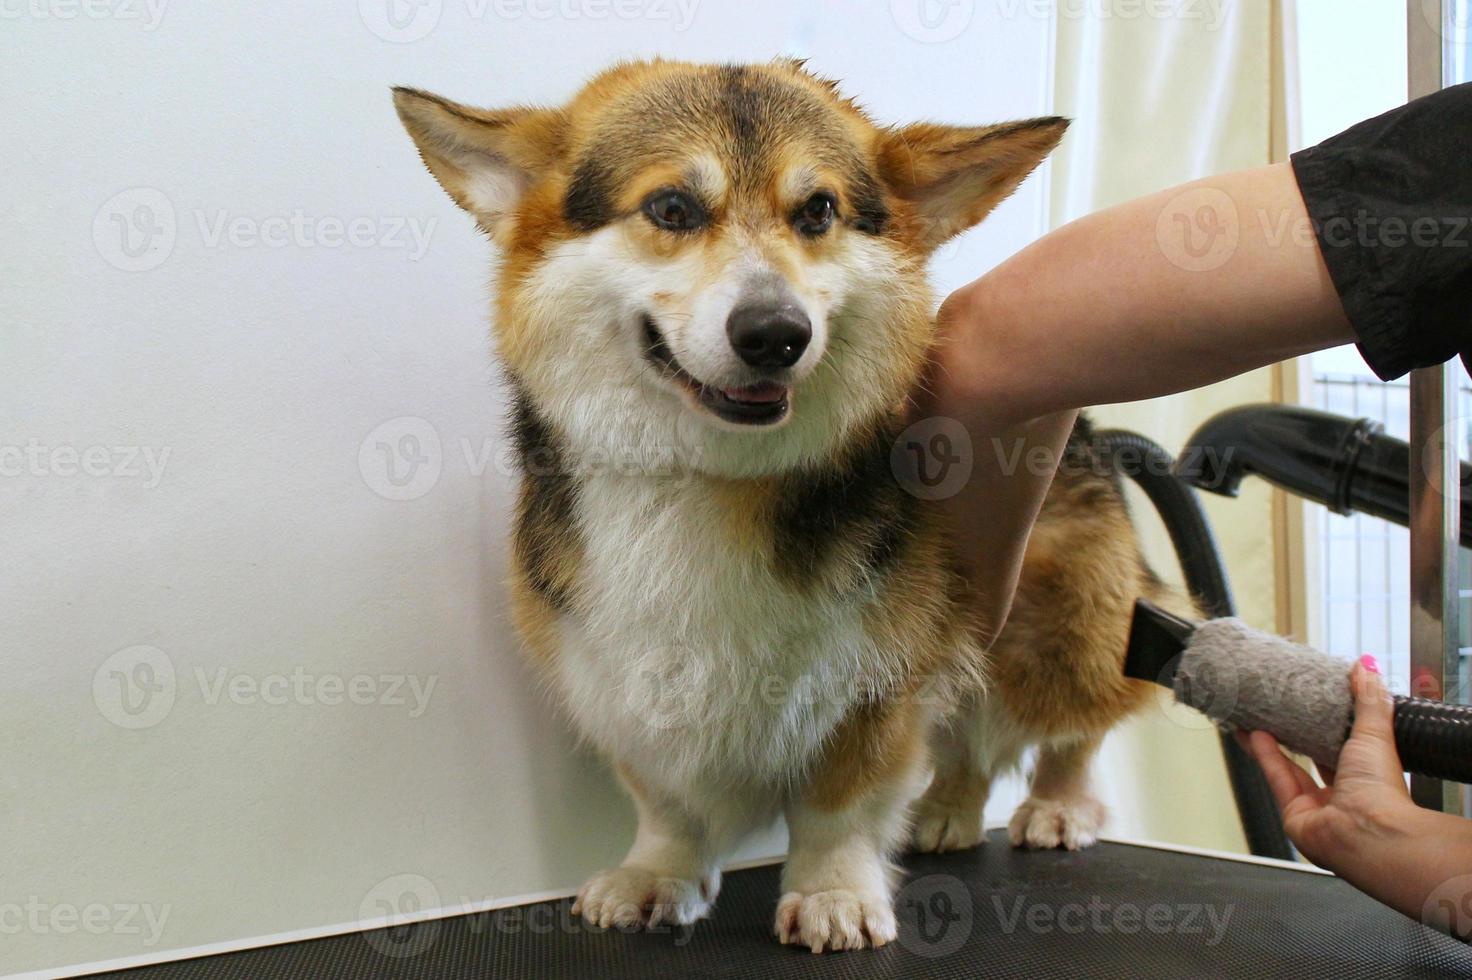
pixel 1112 911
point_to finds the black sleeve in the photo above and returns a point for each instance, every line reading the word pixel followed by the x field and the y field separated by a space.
pixel 1391 204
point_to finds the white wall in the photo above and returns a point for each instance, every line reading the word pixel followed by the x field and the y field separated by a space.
pixel 260 366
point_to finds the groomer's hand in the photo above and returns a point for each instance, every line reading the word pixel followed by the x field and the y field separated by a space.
pixel 1365 792
pixel 1363 824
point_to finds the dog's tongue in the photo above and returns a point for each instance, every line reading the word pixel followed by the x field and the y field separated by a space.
pixel 763 393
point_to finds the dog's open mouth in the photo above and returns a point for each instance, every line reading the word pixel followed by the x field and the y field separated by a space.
pixel 763 403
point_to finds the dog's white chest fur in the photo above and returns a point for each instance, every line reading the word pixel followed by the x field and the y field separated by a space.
pixel 693 658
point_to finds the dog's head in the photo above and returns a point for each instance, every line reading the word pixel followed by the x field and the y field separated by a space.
pixel 725 263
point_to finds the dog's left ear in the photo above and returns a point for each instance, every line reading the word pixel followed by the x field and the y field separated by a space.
pixel 955 175
pixel 484 159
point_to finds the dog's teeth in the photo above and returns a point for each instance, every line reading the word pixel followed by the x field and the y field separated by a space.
pixel 763 393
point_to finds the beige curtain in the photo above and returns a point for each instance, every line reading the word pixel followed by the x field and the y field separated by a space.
pixel 1156 101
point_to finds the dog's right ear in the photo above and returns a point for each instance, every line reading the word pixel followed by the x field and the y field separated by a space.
pixel 484 159
pixel 953 176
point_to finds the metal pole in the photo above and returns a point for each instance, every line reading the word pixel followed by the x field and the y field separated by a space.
pixel 1435 469
pixel 1435 514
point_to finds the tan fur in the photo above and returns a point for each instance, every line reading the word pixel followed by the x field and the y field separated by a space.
pixel 536 621
pixel 1058 664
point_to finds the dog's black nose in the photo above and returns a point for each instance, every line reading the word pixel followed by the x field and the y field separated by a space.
pixel 769 335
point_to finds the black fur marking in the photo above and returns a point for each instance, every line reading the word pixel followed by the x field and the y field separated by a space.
pixel 588 205
pixel 1087 478
pixel 857 502
pixel 547 506
pixel 745 108
pixel 870 214
pixel 1023 126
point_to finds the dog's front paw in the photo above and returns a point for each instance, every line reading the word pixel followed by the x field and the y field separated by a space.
pixel 939 826
pixel 628 897
pixel 837 919
pixel 1071 824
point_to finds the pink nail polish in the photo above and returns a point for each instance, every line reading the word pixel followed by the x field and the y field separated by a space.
pixel 1368 662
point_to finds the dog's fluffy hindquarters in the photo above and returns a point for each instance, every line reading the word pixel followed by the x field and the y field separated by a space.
pixel 712 306
pixel 1056 671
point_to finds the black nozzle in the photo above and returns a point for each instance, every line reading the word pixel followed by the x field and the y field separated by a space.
pixel 1433 738
pixel 1157 640
pixel 1346 464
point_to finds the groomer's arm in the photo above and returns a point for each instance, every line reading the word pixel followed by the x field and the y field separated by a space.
pixel 1108 309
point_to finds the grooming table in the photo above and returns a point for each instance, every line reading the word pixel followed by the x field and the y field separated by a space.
pixel 1115 910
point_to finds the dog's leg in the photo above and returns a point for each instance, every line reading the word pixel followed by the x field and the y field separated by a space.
pixel 948 817
pixel 669 876
pixel 837 885
pixel 969 750
pixel 837 891
pixel 1061 809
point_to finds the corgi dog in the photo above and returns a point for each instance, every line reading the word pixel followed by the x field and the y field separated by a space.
pixel 712 307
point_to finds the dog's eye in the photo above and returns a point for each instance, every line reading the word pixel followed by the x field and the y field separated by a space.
pixel 674 211
pixel 816 214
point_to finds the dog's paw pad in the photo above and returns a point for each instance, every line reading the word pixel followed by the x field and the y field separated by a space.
pixel 937 828
pixel 837 919
pixel 629 897
pixel 1071 824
